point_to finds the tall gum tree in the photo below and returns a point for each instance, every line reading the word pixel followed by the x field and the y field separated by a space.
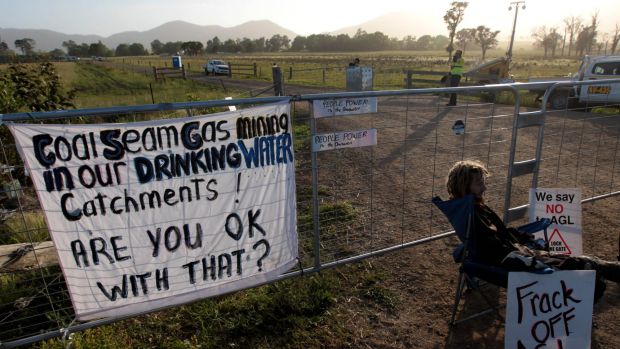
pixel 572 26
pixel 26 45
pixel 615 38
pixel 486 39
pixel 465 37
pixel 452 18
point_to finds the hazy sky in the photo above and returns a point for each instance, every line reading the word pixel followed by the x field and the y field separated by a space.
pixel 106 17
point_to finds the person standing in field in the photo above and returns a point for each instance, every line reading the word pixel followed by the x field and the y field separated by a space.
pixel 456 71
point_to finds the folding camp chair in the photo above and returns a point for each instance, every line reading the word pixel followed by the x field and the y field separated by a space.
pixel 460 213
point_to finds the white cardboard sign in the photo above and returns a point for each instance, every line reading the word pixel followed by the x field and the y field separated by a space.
pixel 346 139
pixel 563 207
pixel 153 214
pixel 549 310
pixel 344 106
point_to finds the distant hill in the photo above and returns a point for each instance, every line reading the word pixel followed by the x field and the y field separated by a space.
pixel 399 25
pixel 47 40
pixel 396 25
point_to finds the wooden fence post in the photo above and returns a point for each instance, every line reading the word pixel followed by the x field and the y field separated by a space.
pixel 152 96
pixel 408 79
pixel 323 76
pixel 230 70
pixel 183 72
pixel 290 73
pixel 254 69
pixel 278 87
pixel 155 73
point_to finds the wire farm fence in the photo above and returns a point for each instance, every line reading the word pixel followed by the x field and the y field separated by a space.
pixel 388 73
pixel 352 203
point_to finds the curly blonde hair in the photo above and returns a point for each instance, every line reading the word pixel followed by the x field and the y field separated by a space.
pixel 461 176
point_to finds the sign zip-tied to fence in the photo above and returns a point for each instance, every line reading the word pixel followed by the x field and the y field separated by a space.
pixel 563 207
pixel 154 214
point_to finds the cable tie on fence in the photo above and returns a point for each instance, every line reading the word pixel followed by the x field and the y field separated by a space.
pixel 301 268
pixel 17 254
pixel 65 331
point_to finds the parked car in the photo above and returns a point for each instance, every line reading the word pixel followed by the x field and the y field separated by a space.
pixel 216 66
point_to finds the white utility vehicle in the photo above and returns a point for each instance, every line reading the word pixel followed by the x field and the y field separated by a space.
pixel 591 68
pixel 216 66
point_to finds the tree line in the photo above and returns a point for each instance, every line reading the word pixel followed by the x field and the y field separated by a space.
pixel 361 41
pixel 579 38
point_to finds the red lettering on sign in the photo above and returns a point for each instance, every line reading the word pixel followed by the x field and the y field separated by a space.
pixel 557 208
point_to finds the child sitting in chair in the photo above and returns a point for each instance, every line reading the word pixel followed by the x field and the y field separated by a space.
pixel 495 244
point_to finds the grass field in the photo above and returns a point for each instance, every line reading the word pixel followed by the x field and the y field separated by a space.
pixel 105 87
pixel 98 86
pixel 327 69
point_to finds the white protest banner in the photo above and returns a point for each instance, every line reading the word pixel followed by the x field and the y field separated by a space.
pixel 153 214
pixel 563 207
pixel 344 106
pixel 346 139
pixel 549 310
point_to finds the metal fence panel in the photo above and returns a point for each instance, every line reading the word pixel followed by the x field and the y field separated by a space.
pixel 353 203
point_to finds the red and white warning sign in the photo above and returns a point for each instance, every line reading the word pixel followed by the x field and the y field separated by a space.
pixel 563 207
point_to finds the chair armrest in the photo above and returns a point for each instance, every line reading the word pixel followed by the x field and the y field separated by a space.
pixel 492 274
pixel 533 227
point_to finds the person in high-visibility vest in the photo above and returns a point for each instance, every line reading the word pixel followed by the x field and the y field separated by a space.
pixel 456 71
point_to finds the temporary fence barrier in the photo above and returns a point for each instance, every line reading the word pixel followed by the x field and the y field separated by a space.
pixel 364 179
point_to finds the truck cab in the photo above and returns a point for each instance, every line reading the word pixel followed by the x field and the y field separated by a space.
pixel 591 68
pixel 597 68
pixel 216 66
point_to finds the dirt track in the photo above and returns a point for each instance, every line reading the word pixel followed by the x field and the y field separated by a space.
pixel 422 279
pixel 256 88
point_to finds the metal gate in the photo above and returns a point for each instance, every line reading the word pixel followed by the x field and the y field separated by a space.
pixel 353 203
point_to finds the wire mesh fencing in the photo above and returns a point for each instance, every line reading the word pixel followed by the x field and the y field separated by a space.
pixel 352 202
